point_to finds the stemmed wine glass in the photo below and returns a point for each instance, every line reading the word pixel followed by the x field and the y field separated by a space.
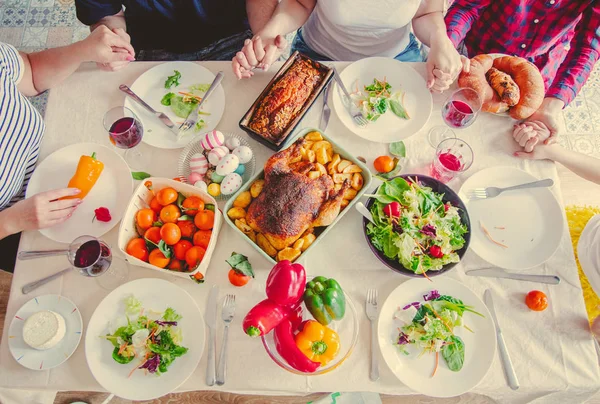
pixel 459 111
pixel 452 156
pixel 125 131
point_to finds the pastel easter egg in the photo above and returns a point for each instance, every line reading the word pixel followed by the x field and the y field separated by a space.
pixel 228 164
pixel 231 183
pixel 212 139
pixel 198 164
pixel 216 177
pixel 216 154
pixel 201 185
pixel 232 142
pixel 195 177
pixel 241 169
pixel 214 189
pixel 244 154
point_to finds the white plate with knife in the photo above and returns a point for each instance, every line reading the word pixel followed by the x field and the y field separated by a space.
pixel 192 81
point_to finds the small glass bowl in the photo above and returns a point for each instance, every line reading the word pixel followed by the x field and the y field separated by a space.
pixel 347 329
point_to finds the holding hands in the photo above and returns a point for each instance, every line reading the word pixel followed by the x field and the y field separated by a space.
pixel 444 64
pixel 533 137
pixel 110 49
pixel 257 53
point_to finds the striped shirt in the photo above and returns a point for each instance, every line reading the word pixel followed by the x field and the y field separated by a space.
pixel 21 129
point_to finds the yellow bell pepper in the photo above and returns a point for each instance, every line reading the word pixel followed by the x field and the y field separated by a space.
pixel 318 342
pixel 86 175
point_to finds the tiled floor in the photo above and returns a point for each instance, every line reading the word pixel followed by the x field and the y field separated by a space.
pixel 31 25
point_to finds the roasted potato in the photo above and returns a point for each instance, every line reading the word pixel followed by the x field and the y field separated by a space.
pixel 236 213
pixel 308 145
pixel 321 168
pixel 321 155
pixel 320 144
pixel 357 181
pixel 344 203
pixel 308 240
pixel 337 187
pixel 298 244
pixel 288 253
pixel 246 229
pixel 265 245
pixel 332 167
pixel 349 194
pixel 343 164
pixel 351 169
pixel 243 200
pixel 314 174
pixel 340 178
pixel 256 188
pixel 303 154
pixel 310 156
pixel 313 136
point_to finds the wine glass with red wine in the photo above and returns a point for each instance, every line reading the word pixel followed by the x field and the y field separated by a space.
pixel 125 131
pixel 459 111
pixel 452 157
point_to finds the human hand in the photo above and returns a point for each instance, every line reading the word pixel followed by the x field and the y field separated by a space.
pixel 529 134
pixel 257 53
pixel 444 64
pixel 110 49
pixel 547 114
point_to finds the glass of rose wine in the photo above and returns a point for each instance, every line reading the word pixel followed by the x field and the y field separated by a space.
pixel 125 131
pixel 452 157
pixel 459 111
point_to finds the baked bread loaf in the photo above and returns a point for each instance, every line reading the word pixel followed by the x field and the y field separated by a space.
pixel 477 81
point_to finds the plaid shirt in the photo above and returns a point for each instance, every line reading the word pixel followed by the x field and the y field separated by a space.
pixel 561 37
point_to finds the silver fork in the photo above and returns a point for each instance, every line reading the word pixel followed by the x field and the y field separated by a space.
pixel 354 112
pixel 227 315
pixel 371 309
pixel 491 192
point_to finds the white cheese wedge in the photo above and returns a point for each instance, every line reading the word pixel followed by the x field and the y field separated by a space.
pixel 44 329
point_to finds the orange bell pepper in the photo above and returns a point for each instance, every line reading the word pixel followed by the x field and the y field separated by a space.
pixel 318 342
pixel 87 173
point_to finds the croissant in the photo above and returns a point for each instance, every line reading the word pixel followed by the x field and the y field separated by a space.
pixel 477 81
pixel 504 85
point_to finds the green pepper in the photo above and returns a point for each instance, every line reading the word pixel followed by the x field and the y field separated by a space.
pixel 325 299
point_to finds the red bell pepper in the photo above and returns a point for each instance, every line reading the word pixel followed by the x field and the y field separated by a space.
pixel 296 318
pixel 286 283
pixel 265 316
pixel 286 346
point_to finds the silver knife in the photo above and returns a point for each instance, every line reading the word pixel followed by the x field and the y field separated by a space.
pixel 161 116
pixel 509 370
pixel 193 116
pixel 211 322
pixel 500 273
pixel 326 110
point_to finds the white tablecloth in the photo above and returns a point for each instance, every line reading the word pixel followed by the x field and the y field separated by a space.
pixel 553 351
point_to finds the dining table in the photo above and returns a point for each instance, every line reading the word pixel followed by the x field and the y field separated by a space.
pixel 553 352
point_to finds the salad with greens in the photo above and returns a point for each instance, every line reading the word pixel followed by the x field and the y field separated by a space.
pixel 431 326
pixel 184 102
pixel 377 98
pixel 150 338
pixel 414 226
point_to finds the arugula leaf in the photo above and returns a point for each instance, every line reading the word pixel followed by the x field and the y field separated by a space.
pixel 164 248
pixel 140 175
pixel 173 80
pixel 240 264
pixel 454 353
pixel 166 99
pixel 398 149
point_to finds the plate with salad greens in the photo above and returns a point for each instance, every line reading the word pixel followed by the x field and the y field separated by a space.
pixel 176 88
pixel 421 227
pixel 144 339
pixel 438 338
pixel 391 96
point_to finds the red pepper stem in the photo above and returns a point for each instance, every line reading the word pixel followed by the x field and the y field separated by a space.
pixel 94 155
pixel 253 331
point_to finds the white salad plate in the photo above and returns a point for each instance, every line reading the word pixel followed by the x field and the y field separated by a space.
pixel 50 358
pixel 388 128
pixel 414 369
pixel 112 190
pixel 530 222
pixel 156 295
pixel 150 87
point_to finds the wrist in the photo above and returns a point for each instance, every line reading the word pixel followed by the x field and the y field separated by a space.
pixel 79 51
pixel 553 152
pixel 7 227
pixel 552 104
pixel 438 36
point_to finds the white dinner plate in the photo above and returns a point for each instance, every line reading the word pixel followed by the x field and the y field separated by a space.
pixel 112 190
pixel 156 295
pixel 150 87
pixel 49 358
pixel 415 370
pixel 529 222
pixel 388 128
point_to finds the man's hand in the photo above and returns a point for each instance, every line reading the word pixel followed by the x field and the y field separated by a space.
pixel 257 53
pixel 444 64
pixel 547 114
pixel 110 49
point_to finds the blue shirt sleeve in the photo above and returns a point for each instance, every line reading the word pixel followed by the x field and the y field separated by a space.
pixel 11 62
pixel 90 12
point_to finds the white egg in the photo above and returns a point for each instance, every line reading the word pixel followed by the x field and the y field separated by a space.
pixel 216 154
pixel 232 142
pixel 198 163
pixel 244 154
pixel 212 139
pixel 231 183
pixel 228 164
pixel 201 185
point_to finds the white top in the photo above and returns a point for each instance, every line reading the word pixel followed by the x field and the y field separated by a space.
pixel 354 29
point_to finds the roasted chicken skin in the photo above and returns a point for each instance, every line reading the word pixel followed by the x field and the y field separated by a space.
pixel 291 202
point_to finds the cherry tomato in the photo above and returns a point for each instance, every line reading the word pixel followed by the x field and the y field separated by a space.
pixel 192 204
pixel 435 251
pixel 153 234
pixel 194 256
pixel 170 214
pixel 166 196
pixel 155 206
pixel 205 219
pixel 175 265
pixel 536 300
pixel 392 209
pixel 145 218
pixel 384 164
pixel 180 248
pixel 237 278
pixel 158 259
pixel 137 248
pixel 170 233
pixel 202 238
pixel 187 228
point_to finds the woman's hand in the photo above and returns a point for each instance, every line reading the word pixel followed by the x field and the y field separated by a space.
pixel 444 64
pixel 547 114
pixel 110 49
pixel 257 53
